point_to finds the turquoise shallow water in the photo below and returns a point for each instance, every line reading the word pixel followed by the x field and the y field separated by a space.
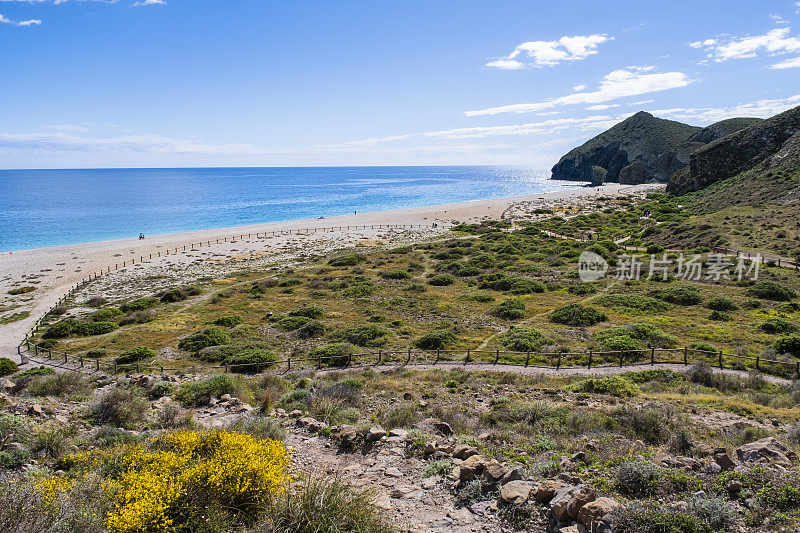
pixel 50 207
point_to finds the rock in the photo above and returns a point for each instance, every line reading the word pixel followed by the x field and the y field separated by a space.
pixel 297 413
pixel 574 528
pixel 493 472
pixel 713 468
pixel 393 471
pixel 429 448
pixel 462 451
pixel 225 398
pixel 547 490
pixel 768 448
pixel 723 460
pixel 568 501
pixel 400 433
pixel 461 516
pixel 593 512
pixel 375 434
pixel 443 428
pixel 734 486
pixel 579 457
pixel 36 410
pixel 244 408
pixel 404 491
pixel 681 462
pixel 347 436
pixel 7 384
pixel 515 492
pixel 281 413
pixel 311 424
pixel 383 502
pixel 514 474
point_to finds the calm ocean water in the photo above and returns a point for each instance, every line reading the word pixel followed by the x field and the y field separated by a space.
pixel 50 207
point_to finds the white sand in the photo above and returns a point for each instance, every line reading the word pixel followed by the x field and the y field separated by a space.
pixel 55 270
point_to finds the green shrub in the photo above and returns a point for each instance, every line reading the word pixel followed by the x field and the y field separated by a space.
pixel 788 345
pixel 637 478
pixel 771 290
pixel 204 339
pixel 509 309
pixel 336 354
pixel 639 335
pixel 478 297
pixel 309 311
pixel 104 315
pixel 311 329
pixel 229 321
pixel 95 354
pixel 720 316
pixel 198 393
pixel 291 323
pixel 441 467
pixel 776 326
pixel 651 518
pixel 582 289
pixel 721 303
pixel 612 385
pixel 659 375
pixel 7 366
pixel 440 280
pixel 94 328
pixel 180 294
pixel 500 281
pixel 524 339
pixel 346 260
pixel 632 303
pixel 680 295
pixel 21 290
pixel 138 305
pixel 136 354
pixel 35 371
pixel 119 407
pixel 369 335
pixel 324 505
pixel 439 339
pixel 63 385
pixel 262 427
pixel 649 424
pixel 160 389
pixel 246 356
pixel 704 347
pixel 359 290
pixel 577 315
pixel 396 274
pixel 60 330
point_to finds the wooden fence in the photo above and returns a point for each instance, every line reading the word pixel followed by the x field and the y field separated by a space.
pixel 557 361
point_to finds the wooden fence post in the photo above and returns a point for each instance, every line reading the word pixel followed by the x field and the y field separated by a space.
pixel 558 361
pixel 380 355
pixel 288 357
pixel 408 359
pixel 589 367
pixel 437 356
pixel 466 359
pixel 652 356
pixel 527 358
pixel 497 356
pixel 720 359
pixel 620 357
pixel 685 355
pixel 758 357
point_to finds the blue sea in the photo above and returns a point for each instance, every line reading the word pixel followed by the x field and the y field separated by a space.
pixel 41 208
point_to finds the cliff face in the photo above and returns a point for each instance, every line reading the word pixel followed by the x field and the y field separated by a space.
pixel 640 149
pixel 770 144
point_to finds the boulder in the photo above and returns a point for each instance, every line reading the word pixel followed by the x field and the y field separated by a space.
pixel 514 474
pixel 462 451
pixel 347 436
pixel 593 512
pixel 769 449
pixel 681 462
pixel 515 492
pixel 36 410
pixel 311 424
pixel 568 501
pixel 723 460
pixel 493 472
pixel 399 433
pixel 547 490
pixel 443 428
pixel 375 434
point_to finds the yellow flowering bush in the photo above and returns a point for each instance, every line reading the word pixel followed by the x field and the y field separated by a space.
pixel 176 478
pixel 51 487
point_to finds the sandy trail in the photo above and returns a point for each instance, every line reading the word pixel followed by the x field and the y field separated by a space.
pixel 53 271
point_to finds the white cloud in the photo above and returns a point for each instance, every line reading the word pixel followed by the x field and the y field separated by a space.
pixel 706 115
pixel 793 62
pixel 68 127
pixel 601 107
pixel 620 83
pixel 547 126
pixel 774 42
pixel 640 102
pixel 64 142
pixel 31 22
pixel 778 19
pixel 549 53
pixel 150 3
pixel 579 88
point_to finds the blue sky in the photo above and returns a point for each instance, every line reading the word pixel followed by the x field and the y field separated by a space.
pixel 127 83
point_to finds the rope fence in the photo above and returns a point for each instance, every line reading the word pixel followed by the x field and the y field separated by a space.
pixel 29 351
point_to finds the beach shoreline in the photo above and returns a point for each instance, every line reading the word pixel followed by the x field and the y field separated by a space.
pixel 55 270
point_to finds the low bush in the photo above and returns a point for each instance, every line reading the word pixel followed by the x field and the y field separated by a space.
pixel 63 385
pixel 703 347
pixel 244 356
pixel 637 478
pixel 198 393
pixel 650 424
pixel 440 280
pixel 336 354
pixel 680 295
pixel 7 366
pixel 136 354
pixel 126 408
pixel 613 386
pixel 21 290
pixel 509 309
pixel 346 260
pixel 138 305
pixel 577 315
pixel 179 294
pixel 772 290
pixel 582 289
pixel 160 389
pixel 788 345
pixel 359 290
pixel 439 339
pixel 396 274
pixel 652 518
pixel 776 326
pixel 261 427
pixel 228 321
pixel 203 339
pixel 104 315
pixel 310 311
pixel 721 303
pixel 368 335
pixel 311 329
pixel 719 316
pixel 524 339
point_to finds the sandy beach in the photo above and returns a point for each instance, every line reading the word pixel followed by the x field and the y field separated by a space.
pixel 53 271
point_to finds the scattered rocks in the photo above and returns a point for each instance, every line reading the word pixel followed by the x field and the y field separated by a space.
pixel 375 434
pixel 462 451
pixel 723 460
pixel 547 490
pixel 443 428
pixel 515 492
pixel 768 449
pixel 593 512
pixel 568 501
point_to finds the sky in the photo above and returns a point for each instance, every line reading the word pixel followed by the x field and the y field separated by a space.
pixel 182 83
